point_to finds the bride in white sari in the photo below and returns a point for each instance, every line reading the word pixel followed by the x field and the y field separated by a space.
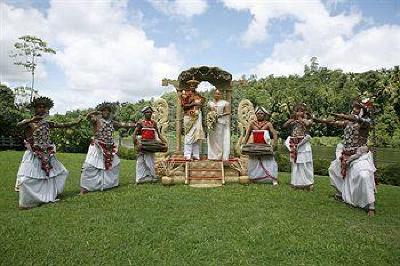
pixel 219 135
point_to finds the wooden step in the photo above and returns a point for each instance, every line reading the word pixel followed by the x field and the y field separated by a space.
pixel 205 169
pixel 205 177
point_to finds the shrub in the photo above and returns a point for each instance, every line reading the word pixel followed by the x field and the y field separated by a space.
pixel 321 166
pixel 283 162
pixel 127 153
pixel 389 174
pixel 75 139
pixel 325 141
pixel 396 138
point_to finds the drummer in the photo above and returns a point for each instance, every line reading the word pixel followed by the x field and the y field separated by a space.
pixel 146 130
pixel 262 168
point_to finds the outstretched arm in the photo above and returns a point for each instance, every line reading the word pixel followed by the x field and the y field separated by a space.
pixel 354 118
pixel 288 123
pixel 124 125
pixel 331 122
pixel 66 124
pixel 91 116
pixel 24 123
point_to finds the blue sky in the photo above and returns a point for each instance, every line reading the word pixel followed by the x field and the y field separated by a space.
pixel 120 50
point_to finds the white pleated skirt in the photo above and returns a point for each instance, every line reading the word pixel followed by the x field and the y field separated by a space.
pixel 35 187
pixel 263 169
pixel 358 187
pixel 302 174
pixel 145 168
pixel 94 175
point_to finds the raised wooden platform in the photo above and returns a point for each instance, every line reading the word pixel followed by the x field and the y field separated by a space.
pixel 201 173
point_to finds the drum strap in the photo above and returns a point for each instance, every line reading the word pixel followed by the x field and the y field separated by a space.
pixel 267 173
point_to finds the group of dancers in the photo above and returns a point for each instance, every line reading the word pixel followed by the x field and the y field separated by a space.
pixel 352 173
pixel 41 177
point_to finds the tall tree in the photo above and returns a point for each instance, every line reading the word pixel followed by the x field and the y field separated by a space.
pixel 9 115
pixel 27 51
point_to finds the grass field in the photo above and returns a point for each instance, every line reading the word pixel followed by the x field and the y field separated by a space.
pixel 179 225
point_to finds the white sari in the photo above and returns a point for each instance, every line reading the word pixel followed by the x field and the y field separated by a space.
pixel 219 138
pixel 358 186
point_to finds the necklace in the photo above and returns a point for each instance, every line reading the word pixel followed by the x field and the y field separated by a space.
pixel 260 124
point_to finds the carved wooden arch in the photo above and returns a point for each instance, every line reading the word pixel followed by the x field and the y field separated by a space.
pixel 221 79
pixel 214 75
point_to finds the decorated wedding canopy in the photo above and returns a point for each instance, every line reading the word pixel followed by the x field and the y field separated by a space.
pixel 221 79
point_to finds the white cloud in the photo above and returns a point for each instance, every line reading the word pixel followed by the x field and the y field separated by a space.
pixel 205 86
pixel 180 8
pixel 310 16
pixel 333 39
pixel 373 48
pixel 14 23
pixel 103 56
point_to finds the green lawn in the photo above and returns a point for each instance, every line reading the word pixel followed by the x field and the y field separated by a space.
pixel 179 225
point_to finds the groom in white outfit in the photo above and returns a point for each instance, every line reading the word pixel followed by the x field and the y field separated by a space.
pixel 192 121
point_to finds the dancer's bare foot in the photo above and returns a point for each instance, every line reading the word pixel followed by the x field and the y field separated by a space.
pixel 83 192
pixel 338 197
pixel 371 213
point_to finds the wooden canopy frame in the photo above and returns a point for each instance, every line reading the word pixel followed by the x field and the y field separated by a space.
pixel 221 79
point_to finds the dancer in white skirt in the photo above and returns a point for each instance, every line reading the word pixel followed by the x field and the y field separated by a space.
pixel 299 146
pixel 100 170
pixel 41 177
pixel 352 172
pixel 262 168
pixel 220 135
pixel 147 131
pixel 192 121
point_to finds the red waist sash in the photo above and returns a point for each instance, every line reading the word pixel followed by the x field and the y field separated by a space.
pixel 293 143
pixel 343 161
pixel 108 152
pixel 43 153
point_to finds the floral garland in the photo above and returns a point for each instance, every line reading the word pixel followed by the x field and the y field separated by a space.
pixel 211 120
pixel 193 118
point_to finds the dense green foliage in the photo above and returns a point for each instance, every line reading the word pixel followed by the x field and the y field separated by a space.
pixel 326 91
pixel 10 115
pixel 76 139
pixel 321 165
pixel 127 153
pixel 389 174
pixel 180 225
